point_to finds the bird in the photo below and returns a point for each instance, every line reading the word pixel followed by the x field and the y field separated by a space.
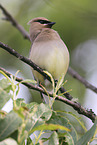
pixel 48 50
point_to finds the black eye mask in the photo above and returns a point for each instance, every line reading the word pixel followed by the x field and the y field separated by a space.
pixel 43 21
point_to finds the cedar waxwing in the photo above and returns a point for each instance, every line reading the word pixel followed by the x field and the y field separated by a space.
pixel 48 51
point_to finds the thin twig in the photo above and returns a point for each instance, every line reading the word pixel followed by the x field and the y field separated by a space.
pixel 75 105
pixel 75 75
pixel 24 59
pixel 14 22
pixel 72 72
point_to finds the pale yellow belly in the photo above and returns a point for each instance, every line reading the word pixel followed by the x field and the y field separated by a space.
pixel 53 59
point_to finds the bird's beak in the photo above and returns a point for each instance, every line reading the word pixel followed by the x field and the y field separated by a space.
pixel 50 24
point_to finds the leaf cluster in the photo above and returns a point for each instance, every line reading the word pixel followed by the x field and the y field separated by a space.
pixel 29 123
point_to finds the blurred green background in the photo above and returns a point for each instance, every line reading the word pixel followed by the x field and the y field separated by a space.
pixel 76 23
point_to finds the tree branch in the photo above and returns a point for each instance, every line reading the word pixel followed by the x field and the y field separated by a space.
pixel 75 75
pixel 72 72
pixel 24 59
pixel 14 22
pixel 75 105
pixel 33 65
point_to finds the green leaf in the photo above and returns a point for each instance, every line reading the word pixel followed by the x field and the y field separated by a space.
pixel 52 79
pixel 60 120
pixel 49 127
pixel 42 111
pixel 8 141
pixel 9 124
pixel 19 102
pixel 36 115
pixel 88 135
pixel 54 140
pixel 76 117
pixel 29 81
pixel 69 139
pixel 4 83
pixel 31 106
pixel 46 111
pixel 18 89
pixel 39 114
pixel 4 92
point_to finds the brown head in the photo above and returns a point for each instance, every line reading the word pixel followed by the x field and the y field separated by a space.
pixel 37 25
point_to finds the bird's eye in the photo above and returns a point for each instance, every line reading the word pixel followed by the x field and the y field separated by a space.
pixel 43 21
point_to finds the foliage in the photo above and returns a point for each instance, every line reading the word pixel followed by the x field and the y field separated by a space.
pixel 28 123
